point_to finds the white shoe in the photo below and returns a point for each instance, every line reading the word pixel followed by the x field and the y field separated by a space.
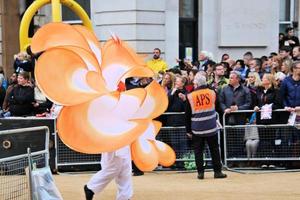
pixel 264 166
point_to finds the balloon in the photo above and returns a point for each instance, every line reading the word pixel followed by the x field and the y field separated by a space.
pixel 88 80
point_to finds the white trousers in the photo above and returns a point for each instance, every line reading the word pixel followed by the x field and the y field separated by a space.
pixel 116 166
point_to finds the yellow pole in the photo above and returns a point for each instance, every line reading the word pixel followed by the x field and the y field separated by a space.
pixel 56 11
pixel 79 11
pixel 56 17
pixel 27 17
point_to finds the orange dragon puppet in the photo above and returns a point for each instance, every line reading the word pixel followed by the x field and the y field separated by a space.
pixel 82 76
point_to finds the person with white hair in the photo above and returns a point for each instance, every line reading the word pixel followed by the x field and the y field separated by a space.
pixel 201 125
pixel 279 77
pixel 205 58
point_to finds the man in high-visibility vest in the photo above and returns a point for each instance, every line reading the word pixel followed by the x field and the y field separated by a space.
pixel 201 125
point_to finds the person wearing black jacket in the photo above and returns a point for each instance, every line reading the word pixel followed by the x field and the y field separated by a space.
pixel 21 97
pixel 177 101
pixel 131 83
pixel 268 94
pixel 233 97
pixel 290 39
pixel 22 62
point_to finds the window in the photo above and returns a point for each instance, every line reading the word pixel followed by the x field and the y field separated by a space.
pixel 287 15
pixel 70 16
pixel 188 29
pixel 186 8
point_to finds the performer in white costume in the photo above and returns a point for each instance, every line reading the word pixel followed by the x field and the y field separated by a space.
pixel 115 165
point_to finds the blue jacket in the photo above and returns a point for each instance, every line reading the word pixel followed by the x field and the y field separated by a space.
pixel 290 92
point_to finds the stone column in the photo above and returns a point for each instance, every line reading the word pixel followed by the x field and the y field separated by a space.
pixel 143 24
pixel 297 4
pixel 10 20
pixel 1 10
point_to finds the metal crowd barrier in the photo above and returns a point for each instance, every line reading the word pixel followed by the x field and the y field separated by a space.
pixel 14 184
pixel 174 134
pixel 277 144
pixel 66 157
pixel 32 121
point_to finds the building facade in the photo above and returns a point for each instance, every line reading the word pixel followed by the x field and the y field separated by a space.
pixel 180 28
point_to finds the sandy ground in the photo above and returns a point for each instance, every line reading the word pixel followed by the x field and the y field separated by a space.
pixel 178 185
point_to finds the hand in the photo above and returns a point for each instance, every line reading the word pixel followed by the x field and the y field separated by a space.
pixel 297 108
pixel 234 108
pixel 182 96
pixel 177 60
pixel 291 41
pixel 256 108
pixel 41 115
pixel 289 109
pixel 30 84
pixel 228 110
pixel 189 135
pixel 35 104
pixel 173 91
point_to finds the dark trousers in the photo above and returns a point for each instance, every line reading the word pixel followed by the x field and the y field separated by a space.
pixel 198 146
pixel 135 169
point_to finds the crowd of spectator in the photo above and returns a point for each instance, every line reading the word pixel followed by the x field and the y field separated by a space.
pixel 20 96
pixel 241 84
pixel 259 84
pixel 248 83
